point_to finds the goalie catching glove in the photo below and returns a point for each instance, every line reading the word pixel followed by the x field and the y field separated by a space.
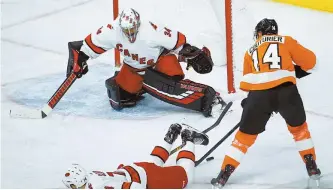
pixel 199 59
pixel 77 60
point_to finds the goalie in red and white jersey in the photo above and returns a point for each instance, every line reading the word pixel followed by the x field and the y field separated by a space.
pixel 146 175
pixel 150 63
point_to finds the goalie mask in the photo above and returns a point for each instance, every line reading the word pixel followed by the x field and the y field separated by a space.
pixel 129 23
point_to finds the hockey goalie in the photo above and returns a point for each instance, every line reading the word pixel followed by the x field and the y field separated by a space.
pixel 152 56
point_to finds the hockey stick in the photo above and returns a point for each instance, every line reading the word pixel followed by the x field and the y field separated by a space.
pixel 48 107
pixel 216 145
pixel 217 122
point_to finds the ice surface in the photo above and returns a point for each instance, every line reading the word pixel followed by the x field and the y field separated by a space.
pixel 83 129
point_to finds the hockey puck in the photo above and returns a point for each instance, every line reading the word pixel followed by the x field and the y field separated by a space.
pixel 210 158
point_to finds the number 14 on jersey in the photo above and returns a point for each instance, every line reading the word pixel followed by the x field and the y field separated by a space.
pixel 271 57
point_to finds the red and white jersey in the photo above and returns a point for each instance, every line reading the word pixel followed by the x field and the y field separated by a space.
pixel 101 179
pixel 150 42
pixel 127 177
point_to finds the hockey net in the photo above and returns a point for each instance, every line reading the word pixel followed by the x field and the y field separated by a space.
pixel 224 26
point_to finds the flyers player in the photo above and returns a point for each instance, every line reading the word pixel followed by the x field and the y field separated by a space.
pixel 150 175
pixel 269 76
pixel 150 64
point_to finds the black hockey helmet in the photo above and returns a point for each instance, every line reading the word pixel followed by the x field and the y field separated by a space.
pixel 266 26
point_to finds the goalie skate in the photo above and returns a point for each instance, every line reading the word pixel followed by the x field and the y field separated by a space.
pixel 218 106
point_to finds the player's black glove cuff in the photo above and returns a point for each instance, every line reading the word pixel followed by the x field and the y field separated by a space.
pixel 299 72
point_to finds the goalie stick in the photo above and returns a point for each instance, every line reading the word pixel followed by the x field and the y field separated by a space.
pixel 217 122
pixel 216 145
pixel 48 107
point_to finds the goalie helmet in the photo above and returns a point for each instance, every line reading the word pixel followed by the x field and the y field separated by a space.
pixel 129 23
pixel 75 177
pixel 266 26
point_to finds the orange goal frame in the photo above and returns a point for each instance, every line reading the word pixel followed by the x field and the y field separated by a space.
pixel 229 47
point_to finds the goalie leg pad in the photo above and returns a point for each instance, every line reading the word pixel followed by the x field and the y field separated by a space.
pixel 182 93
pixel 120 98
pixel 207 104
pixel 113 91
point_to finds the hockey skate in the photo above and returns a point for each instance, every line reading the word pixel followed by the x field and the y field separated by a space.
pixel 313 171
pixel 216 107
pixel 194 136
pixel 173 132
pixel 222 178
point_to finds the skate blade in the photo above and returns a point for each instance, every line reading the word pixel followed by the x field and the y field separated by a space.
pixel 314 182
pixel 186 126
pixel 217 186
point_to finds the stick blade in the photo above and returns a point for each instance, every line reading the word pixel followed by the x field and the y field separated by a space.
pixel 25 113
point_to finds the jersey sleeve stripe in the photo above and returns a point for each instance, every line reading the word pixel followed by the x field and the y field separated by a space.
pixel 181 40
pixel 109 174
pixel 133 173
pixel 161 153
pixel 92 46
pixel 126 185
pixel 118 173
pixel 186 154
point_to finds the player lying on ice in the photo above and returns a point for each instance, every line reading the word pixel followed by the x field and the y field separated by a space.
pixel 270 78
pixel 150 64
pixel 150 175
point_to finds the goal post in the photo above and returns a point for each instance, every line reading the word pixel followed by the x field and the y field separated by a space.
pixel 223 13
pixel 229 48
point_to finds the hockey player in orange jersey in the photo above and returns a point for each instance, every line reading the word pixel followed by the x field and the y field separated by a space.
pixel 150 64
pixel 150 175
pixel 269 76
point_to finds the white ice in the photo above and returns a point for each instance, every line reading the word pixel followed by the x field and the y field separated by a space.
pixel 83 129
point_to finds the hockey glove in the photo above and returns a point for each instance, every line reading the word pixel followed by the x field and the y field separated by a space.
pixel 77 60
pixel 300 73
pixel 199 59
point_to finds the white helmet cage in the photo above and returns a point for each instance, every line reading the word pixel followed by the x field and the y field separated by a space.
pixel 75 177
pixel 129 23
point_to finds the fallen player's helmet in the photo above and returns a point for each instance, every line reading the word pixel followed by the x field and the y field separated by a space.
pixel 266 26
pixel 75 177
pixel 129 23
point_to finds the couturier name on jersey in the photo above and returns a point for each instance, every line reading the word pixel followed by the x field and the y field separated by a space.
pixel 279 39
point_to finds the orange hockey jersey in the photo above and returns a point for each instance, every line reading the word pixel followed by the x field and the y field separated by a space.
pixel 270 62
